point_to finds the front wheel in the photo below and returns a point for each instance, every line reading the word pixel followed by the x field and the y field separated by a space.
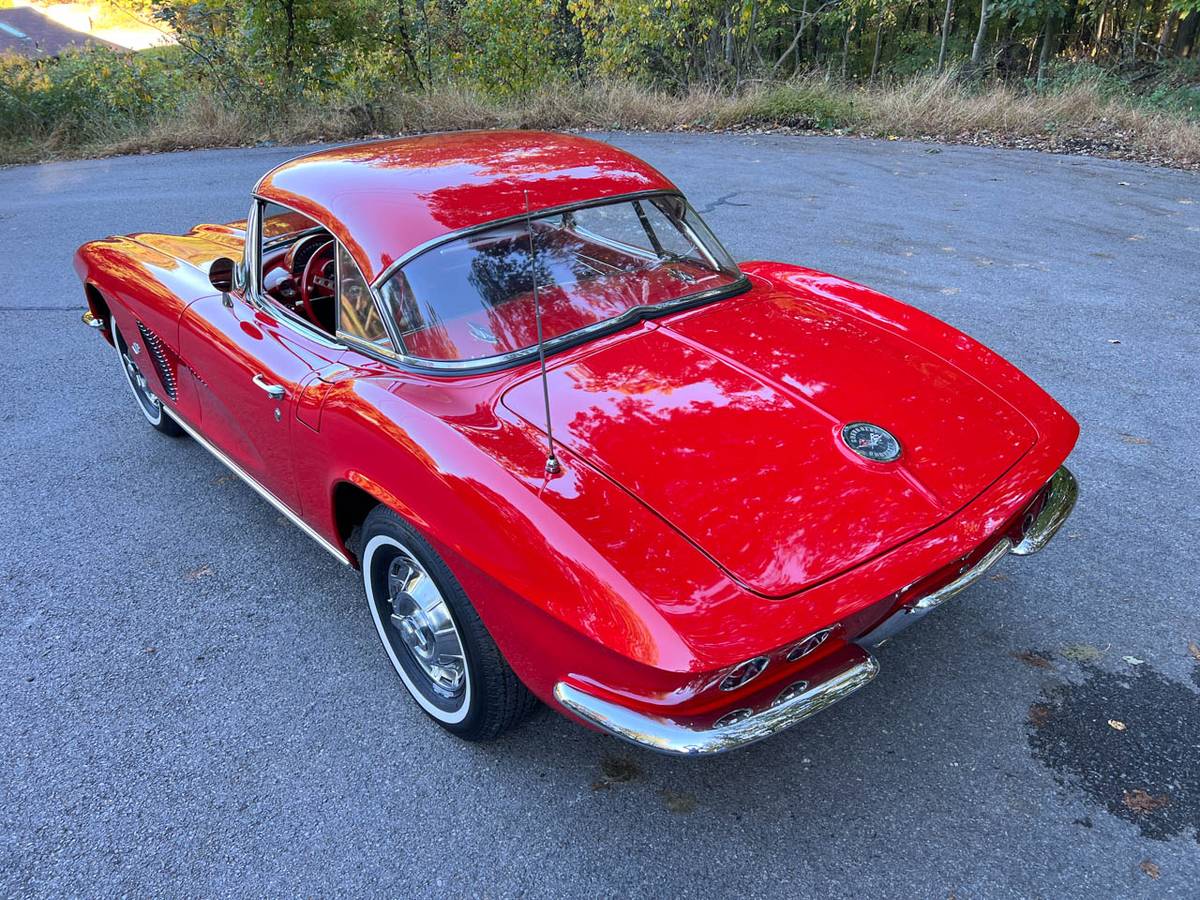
pixel 434 637
pixel 147 400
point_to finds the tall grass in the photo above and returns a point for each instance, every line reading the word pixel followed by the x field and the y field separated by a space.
pixel 1081 112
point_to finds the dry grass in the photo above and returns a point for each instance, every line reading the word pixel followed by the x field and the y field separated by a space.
pixel 1078 119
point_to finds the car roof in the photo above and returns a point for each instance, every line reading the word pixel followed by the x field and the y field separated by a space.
pixel 386 198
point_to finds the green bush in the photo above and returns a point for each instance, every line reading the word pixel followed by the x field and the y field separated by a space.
pixel 87 94
pixel 790 106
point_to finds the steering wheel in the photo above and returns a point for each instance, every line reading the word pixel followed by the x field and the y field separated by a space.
pixel 317 281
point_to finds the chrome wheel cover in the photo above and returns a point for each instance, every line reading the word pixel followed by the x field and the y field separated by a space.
pixel 422 621
pixel 151 406
pixel 417 628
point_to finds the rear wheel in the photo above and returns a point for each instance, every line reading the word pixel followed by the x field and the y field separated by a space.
pixel 433 637
pixel 132 357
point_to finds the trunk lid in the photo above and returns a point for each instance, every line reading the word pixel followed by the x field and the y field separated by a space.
pixel 726 421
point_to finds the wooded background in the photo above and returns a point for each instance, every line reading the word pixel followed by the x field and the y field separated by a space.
pixel 246 70
pixel 510 46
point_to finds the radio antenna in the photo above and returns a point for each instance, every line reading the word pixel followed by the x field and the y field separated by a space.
pixel 553 467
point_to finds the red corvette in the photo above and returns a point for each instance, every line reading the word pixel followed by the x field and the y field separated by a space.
pixel 578 452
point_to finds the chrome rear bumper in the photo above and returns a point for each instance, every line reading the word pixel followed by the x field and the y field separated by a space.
pixel 682 739
pixel 1060 500
pixel 852 669
pixel 1064 491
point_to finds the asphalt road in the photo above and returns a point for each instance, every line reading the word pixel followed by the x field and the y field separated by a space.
pixel 193 700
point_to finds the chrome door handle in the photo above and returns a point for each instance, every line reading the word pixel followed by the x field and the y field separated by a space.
pixel 274 391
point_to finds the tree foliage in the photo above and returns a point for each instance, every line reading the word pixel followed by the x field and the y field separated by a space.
pixel 510 46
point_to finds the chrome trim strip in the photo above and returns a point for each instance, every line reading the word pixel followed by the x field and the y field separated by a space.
pixel 254 294
pixel 932 601
pixel 505 360
pixel 259 489
pixel 1064 491
pixel 570 338
pixel 667 736
pixel 921 607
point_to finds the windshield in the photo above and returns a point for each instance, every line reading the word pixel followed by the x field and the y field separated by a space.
pixel 472 298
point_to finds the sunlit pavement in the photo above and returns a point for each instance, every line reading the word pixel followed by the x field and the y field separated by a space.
pixel 194 700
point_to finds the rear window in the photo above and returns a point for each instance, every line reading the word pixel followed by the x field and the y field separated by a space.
pixel 472 298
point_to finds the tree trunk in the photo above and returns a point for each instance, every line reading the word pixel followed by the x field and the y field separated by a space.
pixel 289 61
pixel 846 47
pixel 878 42
pixel 1165 37
pixel 803 24
pixel 981 34
pixel 1049 47
pixel 1185 37
pixel 945 34
pixel 1137 33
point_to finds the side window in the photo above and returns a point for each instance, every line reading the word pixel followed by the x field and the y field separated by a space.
pixel 358 316
pixel 278 224
pixel 641 224
pixel 615 222
pixel 671 240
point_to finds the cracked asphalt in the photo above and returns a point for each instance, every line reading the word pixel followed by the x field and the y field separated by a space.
pixel 193 700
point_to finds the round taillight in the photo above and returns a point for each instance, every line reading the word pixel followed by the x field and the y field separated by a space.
pixel 732 718
pixel 809 644
pixel 743 673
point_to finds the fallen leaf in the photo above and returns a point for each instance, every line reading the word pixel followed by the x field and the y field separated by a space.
pixel 678 802
pixel 1144 802
pixel 1136 237
pixel 1150 869
pixel 949 291
pixel 150 650
pixel 1113 341
pixel 1082 653
pixel 1134 439
pixel 1133 660
pixel 1194 650
pixel 1123 183
pixel 1033 658
pixel 1117 724
pixel 205 571
pixel 617 770
pixel 1039 715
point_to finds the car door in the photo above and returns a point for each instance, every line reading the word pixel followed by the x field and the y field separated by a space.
pixel 253 361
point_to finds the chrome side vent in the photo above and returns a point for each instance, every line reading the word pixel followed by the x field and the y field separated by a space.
pixel 155 346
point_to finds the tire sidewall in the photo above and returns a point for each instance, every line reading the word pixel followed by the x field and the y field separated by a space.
pixel 384 529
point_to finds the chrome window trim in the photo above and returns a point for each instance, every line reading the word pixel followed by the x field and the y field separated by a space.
pixel 506 360
pixel 254 293
pixel 428 245
pixel 353 340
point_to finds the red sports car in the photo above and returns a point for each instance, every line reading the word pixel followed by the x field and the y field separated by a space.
pixel 578 453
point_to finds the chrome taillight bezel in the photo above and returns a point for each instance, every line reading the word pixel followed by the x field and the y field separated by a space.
pixel 805 646
pixel 744 673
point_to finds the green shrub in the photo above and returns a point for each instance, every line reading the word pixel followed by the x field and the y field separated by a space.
pixel 791 106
